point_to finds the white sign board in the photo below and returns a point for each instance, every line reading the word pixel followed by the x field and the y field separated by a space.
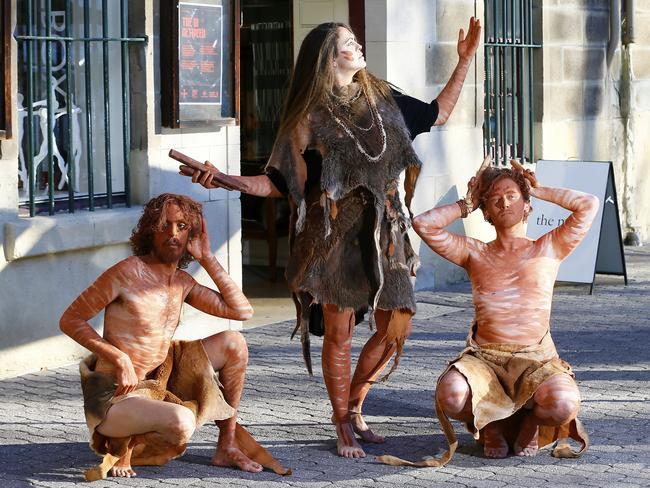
pixel 586 176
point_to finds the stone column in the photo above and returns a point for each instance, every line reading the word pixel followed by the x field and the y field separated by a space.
pixel 413 45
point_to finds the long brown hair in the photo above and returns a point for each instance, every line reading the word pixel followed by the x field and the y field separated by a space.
pixel 313 77
pixel 153 218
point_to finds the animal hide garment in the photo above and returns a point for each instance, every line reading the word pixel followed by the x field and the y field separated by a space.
pixel 348 243
pixel 185 378
pixel 502 378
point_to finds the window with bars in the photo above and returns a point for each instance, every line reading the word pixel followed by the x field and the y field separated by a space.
pixel 508 127
pixel 73 104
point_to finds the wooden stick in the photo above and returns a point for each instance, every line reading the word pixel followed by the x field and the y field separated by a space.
pixel 223 180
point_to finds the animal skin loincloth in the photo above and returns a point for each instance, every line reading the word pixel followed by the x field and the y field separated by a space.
pixel 185 378
pixel 502 378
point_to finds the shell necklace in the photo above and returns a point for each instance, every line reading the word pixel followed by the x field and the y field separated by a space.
pixel 375 119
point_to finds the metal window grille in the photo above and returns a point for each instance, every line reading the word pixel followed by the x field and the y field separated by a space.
pixel 59 42
pixel 508 130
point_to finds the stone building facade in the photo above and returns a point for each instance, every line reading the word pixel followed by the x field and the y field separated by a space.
pixel 591 101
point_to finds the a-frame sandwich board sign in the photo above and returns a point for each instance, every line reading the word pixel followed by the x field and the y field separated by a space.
pixel 601 251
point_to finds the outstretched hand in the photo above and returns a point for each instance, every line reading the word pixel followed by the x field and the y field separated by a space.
pixel 531 179
pixel 467 45
pixel 204 178
pixel 199 245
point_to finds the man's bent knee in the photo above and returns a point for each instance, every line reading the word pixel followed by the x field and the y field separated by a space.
pixel 182 425
pixel 235 344
pixel 557 400
pixel 224 347
pixel 453 392
pixel 560 410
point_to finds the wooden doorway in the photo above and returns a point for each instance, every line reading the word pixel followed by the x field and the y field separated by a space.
pixel 271 33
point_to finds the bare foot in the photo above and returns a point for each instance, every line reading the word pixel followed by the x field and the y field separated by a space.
pixel 227 457
pixel 122 468
pixel 495 445
pixel 526 443
pixel 362 430
pixel 346 444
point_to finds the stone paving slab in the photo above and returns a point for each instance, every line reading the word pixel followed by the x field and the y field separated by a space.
pixel 43 437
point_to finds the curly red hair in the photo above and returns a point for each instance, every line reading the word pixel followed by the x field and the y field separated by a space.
pixel 153 217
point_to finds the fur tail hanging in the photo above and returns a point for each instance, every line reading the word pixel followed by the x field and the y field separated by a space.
pixel 257 453
pixel 396 334
pixel 306 345
pixel 302 324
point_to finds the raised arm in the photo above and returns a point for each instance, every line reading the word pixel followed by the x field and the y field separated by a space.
pixel 229 302
pixel 430 226
pixel 466 48
pixel 584 208
pixel 74 323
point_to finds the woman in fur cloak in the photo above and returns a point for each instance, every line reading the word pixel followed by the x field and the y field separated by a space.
pixel 344 139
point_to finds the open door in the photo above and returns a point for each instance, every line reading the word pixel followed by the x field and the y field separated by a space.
pixel 270 36
pixel 266 60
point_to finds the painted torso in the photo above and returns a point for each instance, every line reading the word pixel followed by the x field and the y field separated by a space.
pixel 143 317
pixel 512 277
pixel 512 290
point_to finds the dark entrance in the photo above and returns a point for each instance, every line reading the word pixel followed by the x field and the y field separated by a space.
pixel 266 62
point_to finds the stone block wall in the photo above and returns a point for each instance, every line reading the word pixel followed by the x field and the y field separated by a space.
pixel 588 109
pixel 413 45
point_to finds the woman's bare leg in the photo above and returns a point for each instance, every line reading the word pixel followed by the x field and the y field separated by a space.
pixel 374 357
pixel 337 344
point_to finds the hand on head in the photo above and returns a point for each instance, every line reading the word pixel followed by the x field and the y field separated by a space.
pixel 467 45
pixel 531 179
pixel 199 245
pixel 473 186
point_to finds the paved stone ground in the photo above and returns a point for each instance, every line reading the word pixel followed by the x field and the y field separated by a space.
pixel 605 336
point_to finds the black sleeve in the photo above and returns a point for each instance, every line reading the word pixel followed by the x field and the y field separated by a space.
pixel 278 180
pixel 314 167
pixel 418 115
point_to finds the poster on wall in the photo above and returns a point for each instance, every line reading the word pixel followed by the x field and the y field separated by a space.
pixel 200 55
pixel 601 251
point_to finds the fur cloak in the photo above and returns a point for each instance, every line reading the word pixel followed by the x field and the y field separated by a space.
pixel 348 244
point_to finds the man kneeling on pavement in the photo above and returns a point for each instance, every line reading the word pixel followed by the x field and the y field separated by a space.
pixel 144 394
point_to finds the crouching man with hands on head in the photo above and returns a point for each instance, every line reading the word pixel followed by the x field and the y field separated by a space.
pixel 508 385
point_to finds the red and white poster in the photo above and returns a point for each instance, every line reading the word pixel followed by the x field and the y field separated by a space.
pixel 200 36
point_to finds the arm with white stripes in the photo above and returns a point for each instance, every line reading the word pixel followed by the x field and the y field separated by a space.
pixel 584 208
pixel 229 302
pixel 430 226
